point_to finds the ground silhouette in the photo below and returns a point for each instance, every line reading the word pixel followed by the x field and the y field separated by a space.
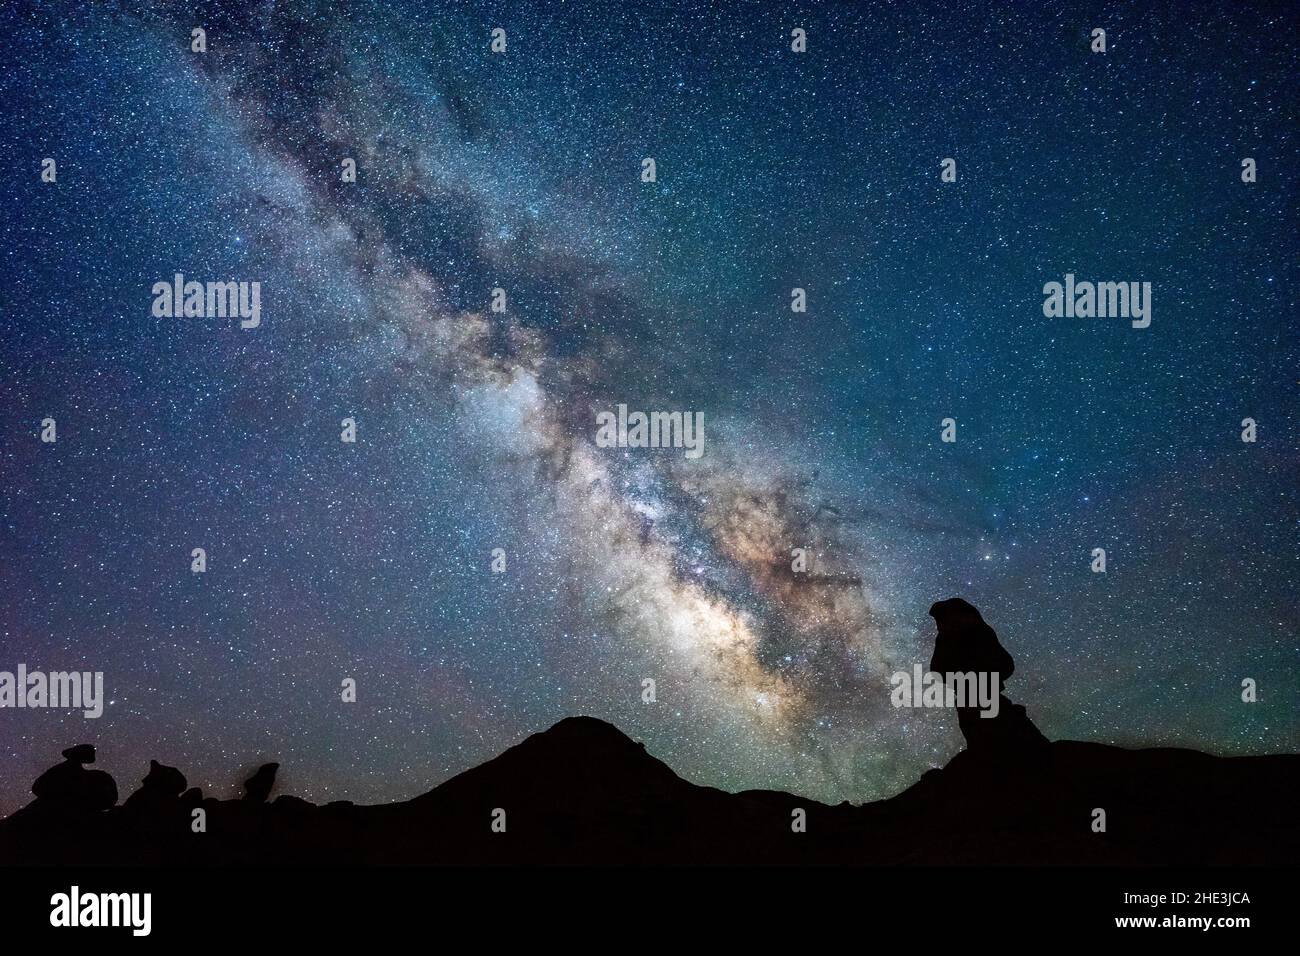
pixel 583 792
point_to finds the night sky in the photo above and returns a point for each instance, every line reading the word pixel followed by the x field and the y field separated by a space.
pixel 476 430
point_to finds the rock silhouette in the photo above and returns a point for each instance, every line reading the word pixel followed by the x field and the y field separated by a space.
pixel 156 806
pixel 965 644
pixel 163 783
pixel 583 792
pixel 70 787
pixel 258 787
pixel 80 754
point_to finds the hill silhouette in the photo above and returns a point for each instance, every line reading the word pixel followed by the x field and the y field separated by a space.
pixel 584 792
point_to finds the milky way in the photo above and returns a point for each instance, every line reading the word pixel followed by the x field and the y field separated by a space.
pixel 521 171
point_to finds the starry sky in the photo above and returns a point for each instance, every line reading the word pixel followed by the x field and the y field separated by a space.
pixel 521 170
